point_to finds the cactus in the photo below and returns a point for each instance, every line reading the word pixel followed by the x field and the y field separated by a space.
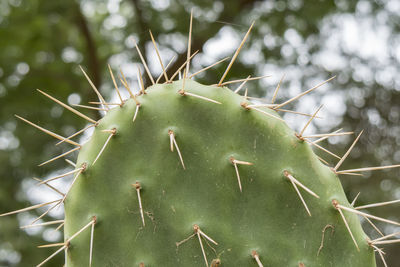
pixel 184 174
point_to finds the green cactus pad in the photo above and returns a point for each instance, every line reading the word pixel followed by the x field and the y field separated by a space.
pixel 267 221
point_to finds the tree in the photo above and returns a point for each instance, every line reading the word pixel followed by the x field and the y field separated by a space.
pixel 43 42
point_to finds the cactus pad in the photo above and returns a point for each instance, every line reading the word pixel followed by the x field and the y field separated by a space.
pixel 203 201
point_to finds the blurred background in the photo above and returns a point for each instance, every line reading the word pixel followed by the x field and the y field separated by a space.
pixel 42 44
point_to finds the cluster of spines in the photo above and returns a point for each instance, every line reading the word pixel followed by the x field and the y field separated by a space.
pixel 384 239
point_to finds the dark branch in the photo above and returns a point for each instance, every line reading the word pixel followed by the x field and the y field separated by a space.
pixel 144 27
pixel 91 52
pixel 93 61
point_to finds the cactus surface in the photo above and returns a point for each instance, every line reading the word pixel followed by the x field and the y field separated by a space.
pixel 266 217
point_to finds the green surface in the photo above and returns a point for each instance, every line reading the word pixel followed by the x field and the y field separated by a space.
pixel 267 216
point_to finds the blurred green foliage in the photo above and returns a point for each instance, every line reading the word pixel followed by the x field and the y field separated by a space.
pixel 43 42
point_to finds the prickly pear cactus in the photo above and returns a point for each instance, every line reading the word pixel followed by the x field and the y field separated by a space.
pixel 184 174
pixel 224 191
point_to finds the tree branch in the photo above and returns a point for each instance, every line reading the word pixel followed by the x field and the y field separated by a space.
pixel 91 49
pixel 144 27
pixel 93 61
